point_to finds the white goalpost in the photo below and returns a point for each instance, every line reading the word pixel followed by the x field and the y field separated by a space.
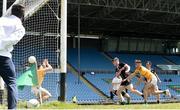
pixel 63 49
pixel 63 36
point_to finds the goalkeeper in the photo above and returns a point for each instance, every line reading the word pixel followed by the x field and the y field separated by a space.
pixel 41 72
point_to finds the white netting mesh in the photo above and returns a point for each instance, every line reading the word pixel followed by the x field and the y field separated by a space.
pixel 31 6
pixel 41 41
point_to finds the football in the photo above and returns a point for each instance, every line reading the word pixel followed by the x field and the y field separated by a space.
pixel 32 59
pixel 32 103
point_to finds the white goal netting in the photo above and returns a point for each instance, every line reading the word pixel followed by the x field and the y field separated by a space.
pixel 41 40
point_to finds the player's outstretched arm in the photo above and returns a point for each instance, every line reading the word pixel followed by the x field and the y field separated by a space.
pixel 131 76
pixel 119 72
pixel 48 67
pixel 140 79
pixel 127 67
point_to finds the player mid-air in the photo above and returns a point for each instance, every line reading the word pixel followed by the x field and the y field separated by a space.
pixel 41 72
pixel 122 70
pixel 151 81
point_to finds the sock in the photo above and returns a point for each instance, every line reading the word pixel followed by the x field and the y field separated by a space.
pixel 158 101
pixel 128 100
pixel 111 95
pixel 145 102
pixel 164 92
pixel 142 96
pixel 123 103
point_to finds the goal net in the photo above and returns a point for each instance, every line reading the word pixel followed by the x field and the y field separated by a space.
pixel 41 40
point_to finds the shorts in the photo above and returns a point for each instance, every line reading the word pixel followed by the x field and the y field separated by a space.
pixel 154 81
pixel 123 93
pixel 116 80
pixel 125 83
pixel 36 91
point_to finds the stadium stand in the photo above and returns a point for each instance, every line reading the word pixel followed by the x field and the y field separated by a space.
pixel 103 80
pixel 92 60
pixel 129 58
pixel 175 59
pixel 80 90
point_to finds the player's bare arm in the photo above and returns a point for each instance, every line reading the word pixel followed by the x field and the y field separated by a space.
pixel 119 72
pixel 140 79
pixel 127 67
pixel 130 76
pixel 47 66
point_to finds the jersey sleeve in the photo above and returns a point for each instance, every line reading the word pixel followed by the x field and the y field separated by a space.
pixel 121 64
pixel 136 71
pixel 13 39
pixel 116 70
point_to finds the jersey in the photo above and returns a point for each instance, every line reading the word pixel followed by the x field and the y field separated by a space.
pixel 41 74
pixel 144 72
pixel 123 74
pixel 152 71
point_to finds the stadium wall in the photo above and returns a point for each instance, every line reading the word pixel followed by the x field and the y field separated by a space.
pixel 128 44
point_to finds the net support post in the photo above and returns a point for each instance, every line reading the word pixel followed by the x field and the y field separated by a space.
pixel 63 49
pixel 4 7
pixel 62 96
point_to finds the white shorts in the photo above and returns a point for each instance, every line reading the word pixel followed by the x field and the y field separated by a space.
pixel 117 82
pixel 36 91
pixel 154 81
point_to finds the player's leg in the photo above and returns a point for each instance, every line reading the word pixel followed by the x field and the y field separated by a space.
pixel 45 94
pixel 112 93
pixel 127 96
pixel 35 90
pixel 130 87
pixel 148 90
pixel 121 88
pixel 166 92
pixel 156 91
pixel 158 98
pixel 145 94
pixel 7 72
pixel 151 91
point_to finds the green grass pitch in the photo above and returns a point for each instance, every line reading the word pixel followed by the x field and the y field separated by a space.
pixel 60 105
